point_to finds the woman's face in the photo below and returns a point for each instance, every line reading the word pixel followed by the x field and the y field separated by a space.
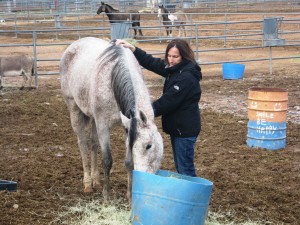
pixel 174 57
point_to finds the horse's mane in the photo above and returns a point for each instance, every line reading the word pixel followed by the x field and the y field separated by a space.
pixel 164 9
pixel 121 84
pixel 111 8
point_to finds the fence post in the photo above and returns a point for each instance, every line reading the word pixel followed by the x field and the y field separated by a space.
pixel 78 25
pixel 270 61
pixel 197 57
pixel 35 59
pixel 225 29
pixel 16 32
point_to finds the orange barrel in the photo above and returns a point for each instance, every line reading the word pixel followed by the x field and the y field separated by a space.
pixel 267 117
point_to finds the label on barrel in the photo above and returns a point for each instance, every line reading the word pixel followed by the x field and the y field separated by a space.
pixel 264 115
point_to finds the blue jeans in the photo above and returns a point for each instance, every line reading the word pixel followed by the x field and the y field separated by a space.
pixel 183 152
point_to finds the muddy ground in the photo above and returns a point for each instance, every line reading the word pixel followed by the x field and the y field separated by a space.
pixel 39 151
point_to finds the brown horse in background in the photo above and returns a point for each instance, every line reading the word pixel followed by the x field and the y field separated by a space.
pixel 115 16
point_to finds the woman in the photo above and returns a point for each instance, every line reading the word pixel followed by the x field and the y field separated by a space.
pixel 178 105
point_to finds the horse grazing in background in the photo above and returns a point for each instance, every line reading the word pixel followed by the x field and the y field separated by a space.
pixel 177 19
pixel 103 86
pixel 115 16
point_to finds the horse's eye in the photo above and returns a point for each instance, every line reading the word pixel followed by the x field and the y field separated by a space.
pixel 148 146
pixel 126 130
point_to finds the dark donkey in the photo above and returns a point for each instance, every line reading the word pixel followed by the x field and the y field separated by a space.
pixel 115 16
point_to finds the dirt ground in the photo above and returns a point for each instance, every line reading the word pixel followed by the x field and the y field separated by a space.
pixel 39 151
pixel 38 148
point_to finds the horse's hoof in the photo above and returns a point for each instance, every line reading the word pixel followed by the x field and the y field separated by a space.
pixel 88 190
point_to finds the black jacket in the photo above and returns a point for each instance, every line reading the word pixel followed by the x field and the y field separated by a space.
pixel 178 105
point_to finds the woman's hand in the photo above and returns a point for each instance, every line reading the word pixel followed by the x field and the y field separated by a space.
pixel 125 44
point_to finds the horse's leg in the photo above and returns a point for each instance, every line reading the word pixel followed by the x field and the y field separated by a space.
pixel 129 185
pixel 134 24
pixel 79 122
pixel 94 163
pixel 30 79
pixel 27 77
pixel 104 140
pixel 24 80
pixel 171 32
pixel 179 31
pixel 129 166
pixel 140 31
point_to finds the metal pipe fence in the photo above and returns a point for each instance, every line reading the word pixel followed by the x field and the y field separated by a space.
pixel 221 33
pixel 210 6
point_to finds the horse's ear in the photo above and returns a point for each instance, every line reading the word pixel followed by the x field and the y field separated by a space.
pixel 143 117
pixel 125 120
pixel 102 3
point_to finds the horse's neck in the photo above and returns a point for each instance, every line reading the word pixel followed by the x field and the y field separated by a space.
pixel 115 11
pixel 111 10
pixel 165 17
pixel 110 13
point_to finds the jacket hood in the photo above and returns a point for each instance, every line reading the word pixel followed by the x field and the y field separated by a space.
pixel 185 64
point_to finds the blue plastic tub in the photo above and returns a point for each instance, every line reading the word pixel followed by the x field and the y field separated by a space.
pixel 169 198
pixel 233 71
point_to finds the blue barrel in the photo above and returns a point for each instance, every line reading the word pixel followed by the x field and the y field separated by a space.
pixel 267 109
pixel 269 135
pixel 169 198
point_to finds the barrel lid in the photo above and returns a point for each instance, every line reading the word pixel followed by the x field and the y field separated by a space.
pixel 268 89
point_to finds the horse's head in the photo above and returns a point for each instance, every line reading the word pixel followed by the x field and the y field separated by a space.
pixel 162 11
pixel 144 143
pixel 102 8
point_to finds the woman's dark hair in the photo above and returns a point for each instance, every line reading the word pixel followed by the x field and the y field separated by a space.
pixel 184 50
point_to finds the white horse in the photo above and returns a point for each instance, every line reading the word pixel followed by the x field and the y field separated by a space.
pixel 177 19
pixel 102 84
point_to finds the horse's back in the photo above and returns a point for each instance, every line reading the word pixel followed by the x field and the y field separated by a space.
pixel 78 69
pixel 181 16
pixel 79 60
pixel 84 51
